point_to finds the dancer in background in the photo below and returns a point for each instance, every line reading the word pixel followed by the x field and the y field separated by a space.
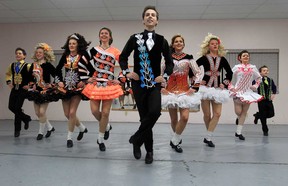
pixel 17 78
pixel 214 89
pixel 42 90
pixel 179 93
pixel 127 90
pixel 103 87
pixel 73 81
pixel 268 90
pixel 146 78
pixel 243 90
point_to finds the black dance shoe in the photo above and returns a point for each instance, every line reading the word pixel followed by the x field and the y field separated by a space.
pixel 16 134
pixel 26 124
pixel 209 143
pixel 48 134
pixel 149 158
pixel 240 136
pixel 107 133
pixel 255 119
pixel 39 137
pixel 136 151
pixel 101 146
pixel 81 134
pixel 177 148
pixel 69 143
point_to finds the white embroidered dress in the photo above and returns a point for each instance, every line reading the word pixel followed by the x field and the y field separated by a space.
pixel 243 76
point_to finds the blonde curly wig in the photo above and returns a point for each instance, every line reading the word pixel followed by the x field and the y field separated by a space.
pixel 205 45
pixel 48 52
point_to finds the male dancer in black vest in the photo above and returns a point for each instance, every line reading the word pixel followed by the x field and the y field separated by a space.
pixel 17 78
pixel 146 78
pixel 268 90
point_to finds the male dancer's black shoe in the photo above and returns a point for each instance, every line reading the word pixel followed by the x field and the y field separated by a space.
pixel 136 149
pixel 16 134
pixel 26 124
pixel 255 118
pixel 149 158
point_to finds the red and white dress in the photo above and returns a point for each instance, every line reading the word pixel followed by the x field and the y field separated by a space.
pixel 102 70
pixel 243 76
pixel 178 85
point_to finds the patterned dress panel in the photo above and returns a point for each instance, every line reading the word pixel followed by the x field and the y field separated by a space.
pixel 178 80
pixel 104 63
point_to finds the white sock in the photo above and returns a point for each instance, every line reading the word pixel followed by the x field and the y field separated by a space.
pixel 81 127
pixel 176 139
pixel 41 128
pixel 48 124
pixel 239 129
pixel 101 137
pixel 70 135
pixel 209 136
pixel 108 127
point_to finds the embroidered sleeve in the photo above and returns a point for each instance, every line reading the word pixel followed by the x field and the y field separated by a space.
pixel 196 71
pixel 83 67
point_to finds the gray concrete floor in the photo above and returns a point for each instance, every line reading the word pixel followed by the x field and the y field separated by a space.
pixel 257 161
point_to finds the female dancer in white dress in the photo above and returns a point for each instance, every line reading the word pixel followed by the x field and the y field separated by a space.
pixel 243 91
pixel 214 87
pixel 178 92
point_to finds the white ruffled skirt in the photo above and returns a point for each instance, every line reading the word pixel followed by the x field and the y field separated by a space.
pixel 183 100
pixel 217 94
pixel 247 97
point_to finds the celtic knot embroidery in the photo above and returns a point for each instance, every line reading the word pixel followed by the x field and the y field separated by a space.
pixel 147 76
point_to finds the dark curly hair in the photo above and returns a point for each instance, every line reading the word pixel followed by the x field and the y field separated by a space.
pixel 82 44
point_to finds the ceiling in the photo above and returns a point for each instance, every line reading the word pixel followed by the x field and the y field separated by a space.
pixel 33 11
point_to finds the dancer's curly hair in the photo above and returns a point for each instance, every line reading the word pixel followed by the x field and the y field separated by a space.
pixel 205 45
pixel 48 52
pixel 82 44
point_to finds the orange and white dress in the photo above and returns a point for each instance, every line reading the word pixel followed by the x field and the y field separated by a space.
pixel 178 84
pixel 102 71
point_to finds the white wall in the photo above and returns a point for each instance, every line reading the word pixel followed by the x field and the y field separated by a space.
pixel 235 34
